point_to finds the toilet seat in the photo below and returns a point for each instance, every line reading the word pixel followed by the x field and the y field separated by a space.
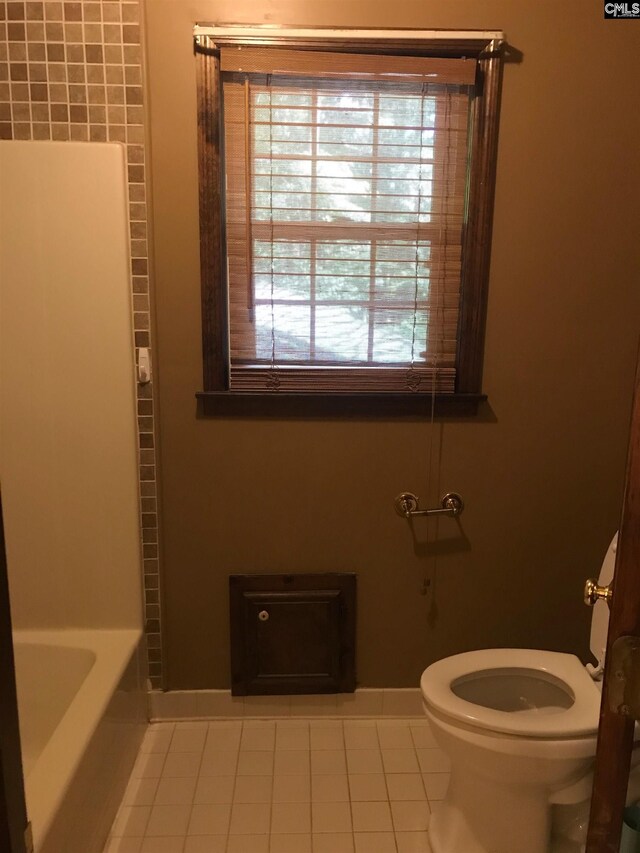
pixel 563 670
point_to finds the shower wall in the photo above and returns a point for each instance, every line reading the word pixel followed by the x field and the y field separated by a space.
pixel 68 437
pixel 73 71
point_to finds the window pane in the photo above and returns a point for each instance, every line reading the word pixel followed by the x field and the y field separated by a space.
pixel 393 333
pixel 347 249
pixel 332 162
pixel 342 333
pixel 291 332
pixel 346 100
pixel 336 287
pixel 343 169
pixel 290 287
pixel 263 166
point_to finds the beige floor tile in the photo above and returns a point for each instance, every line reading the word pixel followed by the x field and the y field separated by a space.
pixel 205 844
pixel 364 761
pixel 290 818
pixel 405 786
pixel 367 787
pixel 331 817
pixel 361 737
pixel 248 844
pixel 423 737
pixel 209 819
pixel 255 763
pixel 433 761
pixel 148 765
pixel 410 816
pixel 168 820
pixel 291 762
pixel 300 843
pixel 330 788
pixel 250 819
pixel 165 844
pixel 253 789
pixel 400 760
pixel 188 740
pixel 333 842
pixel 223 738
pixel 375 842
pixel 131 820
pixel 181 764
pixel 371 817
pixel 258 738
pixel 394 736
pixel 323 738
pixel 328 761
pixel 214 789
pixel 282 786
pixel 292 737
pixel 412 842
pixel 157 739
pixel 175 791
pixel 128 844
pixel 140 792
pixel 218 762
pixel 291 789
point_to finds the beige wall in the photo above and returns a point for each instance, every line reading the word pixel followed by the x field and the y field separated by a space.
pixel 541 470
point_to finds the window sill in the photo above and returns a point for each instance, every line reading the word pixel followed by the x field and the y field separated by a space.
pixel 300 405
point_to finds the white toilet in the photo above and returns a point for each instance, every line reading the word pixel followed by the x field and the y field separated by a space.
pixel 520 729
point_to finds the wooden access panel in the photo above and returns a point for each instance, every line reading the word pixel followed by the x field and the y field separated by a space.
pixel 292 633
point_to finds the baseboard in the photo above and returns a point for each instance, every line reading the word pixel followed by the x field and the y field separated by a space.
pixel 205 704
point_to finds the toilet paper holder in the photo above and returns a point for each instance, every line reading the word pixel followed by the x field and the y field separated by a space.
pixel 408 505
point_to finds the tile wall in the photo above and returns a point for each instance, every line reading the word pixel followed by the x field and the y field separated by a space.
pixel 74 71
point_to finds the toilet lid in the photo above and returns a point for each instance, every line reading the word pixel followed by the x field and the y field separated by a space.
pixel 600 616
pixel 579 718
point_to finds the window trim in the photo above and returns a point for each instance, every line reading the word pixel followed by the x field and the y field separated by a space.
pixel 216 398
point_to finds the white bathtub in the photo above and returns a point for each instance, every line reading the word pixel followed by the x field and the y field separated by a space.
pixel 82 716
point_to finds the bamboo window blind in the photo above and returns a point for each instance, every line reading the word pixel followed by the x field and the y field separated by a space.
pixel 346 180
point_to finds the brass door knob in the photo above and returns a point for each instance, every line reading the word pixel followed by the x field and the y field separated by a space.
pixel 593 593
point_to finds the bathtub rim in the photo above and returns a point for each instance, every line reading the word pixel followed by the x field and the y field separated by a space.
pixel 56 766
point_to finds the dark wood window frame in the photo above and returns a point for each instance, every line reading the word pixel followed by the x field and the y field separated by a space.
pixel 216 399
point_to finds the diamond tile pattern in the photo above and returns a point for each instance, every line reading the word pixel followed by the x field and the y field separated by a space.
pixel 282 786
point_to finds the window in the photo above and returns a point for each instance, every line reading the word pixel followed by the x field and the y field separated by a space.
pixel 340 220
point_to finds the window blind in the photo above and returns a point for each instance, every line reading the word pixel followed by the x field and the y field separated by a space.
pixel 345 197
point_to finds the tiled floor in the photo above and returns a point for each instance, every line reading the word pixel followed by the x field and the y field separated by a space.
pixel 286 786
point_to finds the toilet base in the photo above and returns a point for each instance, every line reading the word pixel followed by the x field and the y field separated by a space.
pixel 479 815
